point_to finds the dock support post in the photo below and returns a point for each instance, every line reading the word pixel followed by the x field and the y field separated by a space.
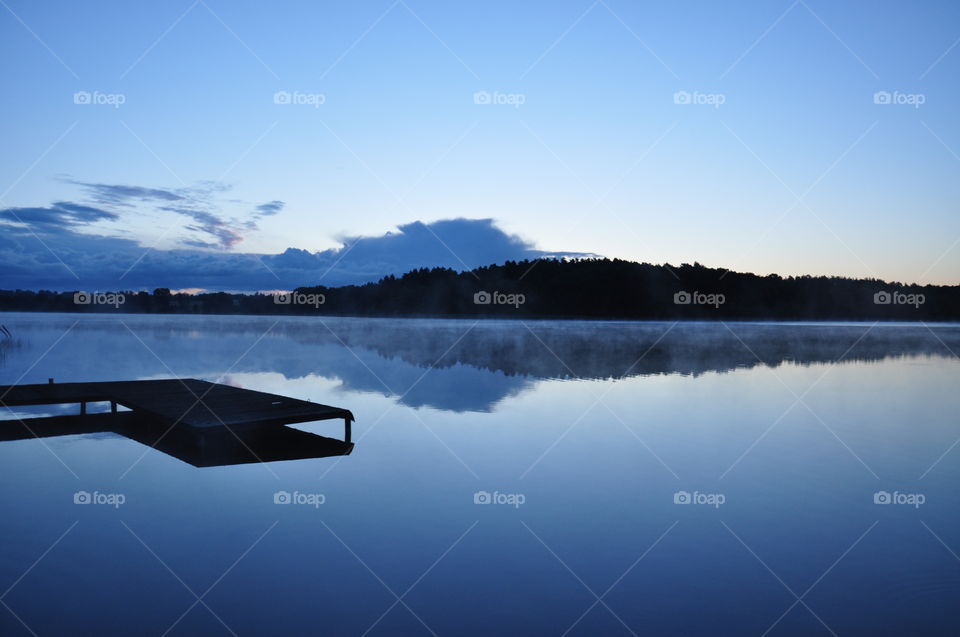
pixel 113 406
pixel 346 430
pixel 83 409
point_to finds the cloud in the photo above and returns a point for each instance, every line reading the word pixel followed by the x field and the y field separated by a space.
pixel 105 263
pixel 267 209
pixel 58 217
pixel 119 194
pixel 208 223
pixel 212 227
pixel 270 208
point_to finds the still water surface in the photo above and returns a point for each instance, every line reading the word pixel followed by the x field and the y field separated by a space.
pixel 539 478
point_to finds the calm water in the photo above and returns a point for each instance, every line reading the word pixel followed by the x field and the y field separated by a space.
pixel 695 479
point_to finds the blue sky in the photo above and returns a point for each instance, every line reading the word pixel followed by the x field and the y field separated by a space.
pixel 782 161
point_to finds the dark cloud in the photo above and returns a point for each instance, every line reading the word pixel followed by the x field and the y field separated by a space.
pixel 119 194
pixel 457 243
pixel 110 263
pixel 200 203
pixel 208 223
pixel 196 243
pixel 269 208
pixel 57 217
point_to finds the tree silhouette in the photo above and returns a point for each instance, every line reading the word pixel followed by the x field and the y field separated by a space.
pixel 554 288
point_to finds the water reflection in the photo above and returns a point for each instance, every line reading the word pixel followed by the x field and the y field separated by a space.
pixel 600 482
pixel 207 447
pixel 475 365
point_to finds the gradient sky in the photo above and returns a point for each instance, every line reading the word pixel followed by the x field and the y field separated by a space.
pixel 797 171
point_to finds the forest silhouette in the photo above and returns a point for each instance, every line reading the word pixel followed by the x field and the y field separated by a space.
pixel 548 288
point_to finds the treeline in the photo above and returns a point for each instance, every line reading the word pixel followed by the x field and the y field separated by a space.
pixel 583 288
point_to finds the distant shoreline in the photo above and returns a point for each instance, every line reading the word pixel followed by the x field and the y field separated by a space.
pixel 545 289
pixel 520 319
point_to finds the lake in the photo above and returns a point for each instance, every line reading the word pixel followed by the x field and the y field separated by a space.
pixel 528 478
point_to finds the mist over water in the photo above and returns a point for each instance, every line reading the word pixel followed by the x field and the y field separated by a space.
pixel 530 462
pixel 473 364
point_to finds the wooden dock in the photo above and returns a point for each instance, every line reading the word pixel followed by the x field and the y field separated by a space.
pixel 180 401
pixel 199 422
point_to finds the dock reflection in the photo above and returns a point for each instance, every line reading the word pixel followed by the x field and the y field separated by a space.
pixel 208 447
